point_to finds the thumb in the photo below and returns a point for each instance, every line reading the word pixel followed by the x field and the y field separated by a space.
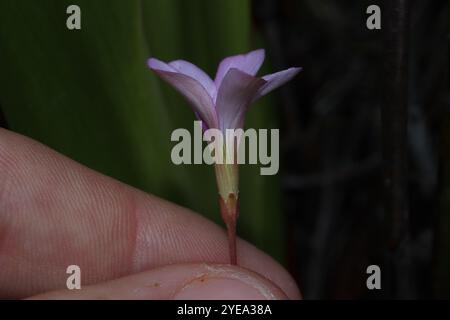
pixel 184 282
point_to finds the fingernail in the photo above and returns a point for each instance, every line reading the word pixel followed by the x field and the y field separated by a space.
pixel 233 287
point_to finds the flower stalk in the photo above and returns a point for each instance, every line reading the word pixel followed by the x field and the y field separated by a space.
pixel 229 210
pixel 227 177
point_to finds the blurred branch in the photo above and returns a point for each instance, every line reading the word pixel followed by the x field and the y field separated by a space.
pixel 394 115
pixel 442 221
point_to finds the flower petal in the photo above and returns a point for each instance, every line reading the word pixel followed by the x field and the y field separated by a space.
pixel 248 63
pixel 198 74
pixel 235 95
pixel 276 80
pixel 191 89
pixel 156 64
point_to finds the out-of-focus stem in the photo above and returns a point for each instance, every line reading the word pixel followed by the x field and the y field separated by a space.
pixel 442 220
pixel 394 114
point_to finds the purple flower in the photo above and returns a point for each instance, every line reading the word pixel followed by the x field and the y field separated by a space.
pixel 223 104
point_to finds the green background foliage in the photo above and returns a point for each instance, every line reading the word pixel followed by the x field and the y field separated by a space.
pixel 89 95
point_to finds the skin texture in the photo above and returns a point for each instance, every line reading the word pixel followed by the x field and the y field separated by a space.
pixel 55 212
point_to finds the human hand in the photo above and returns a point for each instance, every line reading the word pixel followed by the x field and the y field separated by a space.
pixel 55 212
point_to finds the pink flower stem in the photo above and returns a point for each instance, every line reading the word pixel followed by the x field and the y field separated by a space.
pixel 231 229
pixel 229 210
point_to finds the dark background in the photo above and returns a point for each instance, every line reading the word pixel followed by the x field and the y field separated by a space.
pixel 365 128
pixel 349 142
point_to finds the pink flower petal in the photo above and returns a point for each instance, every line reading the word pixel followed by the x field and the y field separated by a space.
pixel 248 63
pixel 191 89
pixel 237 91
pixel 276 80
pixel 193 71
